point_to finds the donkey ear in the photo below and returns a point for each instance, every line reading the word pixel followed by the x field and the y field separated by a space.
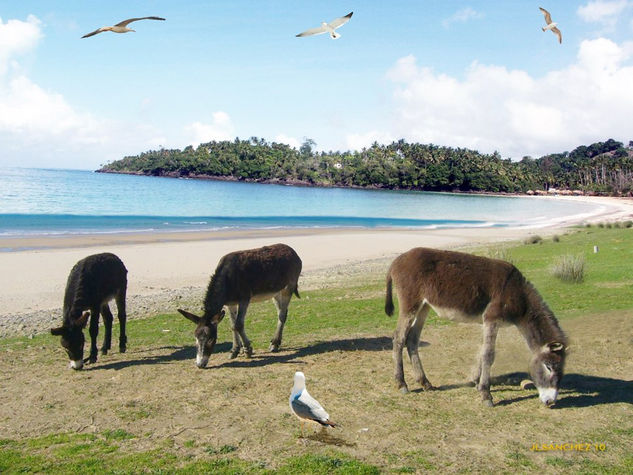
pixel 58 331
pixel 218 318
pixel 190 316
pixel 556 347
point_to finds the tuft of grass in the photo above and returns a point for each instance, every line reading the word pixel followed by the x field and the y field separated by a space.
pixel 500 253
pixel 556 238
pixel 534 239
pixel 569 268
pixel 627 224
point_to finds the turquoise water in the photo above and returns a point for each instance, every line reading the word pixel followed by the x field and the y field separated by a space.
pixel 40 202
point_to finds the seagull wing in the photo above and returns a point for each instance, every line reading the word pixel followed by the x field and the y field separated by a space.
pixel 548 17
pixel 306 407
pixel 340 21
pixel 312 31
pixel 100 30
pixel 127 22
pixel 558 33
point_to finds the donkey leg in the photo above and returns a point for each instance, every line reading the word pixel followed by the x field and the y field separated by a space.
pixel 399 336
pixel 237 344
pixel 239 326
pixel 486 358
pixel 107 323
pixel 282 300
pixel 94 332
pixel 413 343
pixel 122 316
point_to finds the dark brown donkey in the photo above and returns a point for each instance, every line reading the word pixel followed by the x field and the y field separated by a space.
pixel 469 288
pixel 242 277
pixel 92 283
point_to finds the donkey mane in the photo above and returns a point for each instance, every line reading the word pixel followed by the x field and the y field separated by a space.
pixel 214 298
pixel 541 326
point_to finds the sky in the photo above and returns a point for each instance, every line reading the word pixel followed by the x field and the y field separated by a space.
pixel 475 74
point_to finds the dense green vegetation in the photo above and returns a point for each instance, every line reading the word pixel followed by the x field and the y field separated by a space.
pixel 603 167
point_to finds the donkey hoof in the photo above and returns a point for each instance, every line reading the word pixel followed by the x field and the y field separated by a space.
pixel 121 349
pixel 104 351
pixel 273 348
pixel 488 403
pixel 404 389
pixel 234 354
pixel 248 352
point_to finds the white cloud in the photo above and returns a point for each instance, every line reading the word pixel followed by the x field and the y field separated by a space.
pixel 462 16
pixel 220 128
pixel 17 37
pixel 602 11
pixel 494 108
pixel 360 141
pixel 283 138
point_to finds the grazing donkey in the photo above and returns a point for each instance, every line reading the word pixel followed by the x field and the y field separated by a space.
pixel 242 277
pixel 92 283
pixel 469 288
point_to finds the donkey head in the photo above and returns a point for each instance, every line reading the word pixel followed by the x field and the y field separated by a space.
pixel 73 340
pixel 546 370
pixel 206 334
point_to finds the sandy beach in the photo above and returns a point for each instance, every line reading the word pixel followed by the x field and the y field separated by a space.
pixel 166 269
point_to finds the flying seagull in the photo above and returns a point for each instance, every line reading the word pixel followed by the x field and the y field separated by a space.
pixel 328 27
pixel 551 25
pixel 121 27
pixel 305 407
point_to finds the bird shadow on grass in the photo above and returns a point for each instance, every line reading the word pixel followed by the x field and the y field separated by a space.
pixel 325 437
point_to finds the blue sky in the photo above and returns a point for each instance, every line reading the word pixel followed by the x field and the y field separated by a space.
pixel 472 74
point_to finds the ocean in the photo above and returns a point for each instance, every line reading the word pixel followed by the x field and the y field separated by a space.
pixel 58 202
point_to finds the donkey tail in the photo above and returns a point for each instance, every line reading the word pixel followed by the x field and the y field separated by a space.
pixel 296 291
pixel 389 296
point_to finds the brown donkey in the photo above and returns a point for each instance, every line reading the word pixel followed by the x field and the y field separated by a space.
pixel 469 288
pixel 242 277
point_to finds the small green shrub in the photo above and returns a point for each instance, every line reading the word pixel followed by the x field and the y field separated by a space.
pixel 535 239
pixel 627 224
pixel 569 268
pixel 556 238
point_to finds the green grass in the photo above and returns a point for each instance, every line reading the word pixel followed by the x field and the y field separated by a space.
pixel 608 282
pixel 107 453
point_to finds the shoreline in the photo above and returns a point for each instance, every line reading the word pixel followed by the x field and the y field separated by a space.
pixel 170 269
pixel 611 209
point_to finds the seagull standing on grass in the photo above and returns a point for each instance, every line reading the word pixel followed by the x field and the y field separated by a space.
pixel 551 25
pixel 305 407
pixel 122 26
pixel 328 27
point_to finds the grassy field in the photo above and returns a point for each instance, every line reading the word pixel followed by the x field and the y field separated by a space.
pixel 152 410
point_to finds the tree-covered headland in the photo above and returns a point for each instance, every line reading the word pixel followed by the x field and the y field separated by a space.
pixel 599 168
